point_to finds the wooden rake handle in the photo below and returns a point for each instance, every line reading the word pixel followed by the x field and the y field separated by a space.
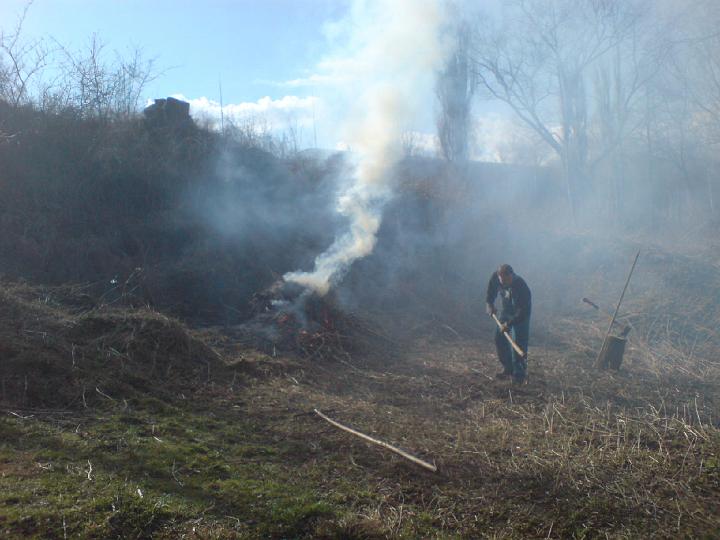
pixel 509 338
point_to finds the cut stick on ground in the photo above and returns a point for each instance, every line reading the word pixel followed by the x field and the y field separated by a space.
pixel 417 461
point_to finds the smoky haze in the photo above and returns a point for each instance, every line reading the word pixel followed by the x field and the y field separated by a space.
pixel 609 145
pixel 197 299
pixel 608 142
pixel 392 59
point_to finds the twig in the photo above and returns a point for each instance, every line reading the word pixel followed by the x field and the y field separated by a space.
pixel 174 475
pixel 21 417
pixel 103 394
pixel 390 447
pixel 448 327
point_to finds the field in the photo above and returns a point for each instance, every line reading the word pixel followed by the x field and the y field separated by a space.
pixel 195 297
pixel 123 423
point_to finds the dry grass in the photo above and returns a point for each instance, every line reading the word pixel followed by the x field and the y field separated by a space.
pixel 70 358
pixel 574 453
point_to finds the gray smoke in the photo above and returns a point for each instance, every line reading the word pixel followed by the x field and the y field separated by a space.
pixel 392 61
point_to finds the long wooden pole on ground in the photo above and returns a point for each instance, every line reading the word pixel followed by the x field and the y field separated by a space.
pixel 509 338
pixel 617 308
pixel 417 461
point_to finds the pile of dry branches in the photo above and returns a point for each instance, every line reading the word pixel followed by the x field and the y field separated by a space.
pixel 53 355
pixel 291 319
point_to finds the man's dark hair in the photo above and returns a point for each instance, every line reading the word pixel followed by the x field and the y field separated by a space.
pixel 505 270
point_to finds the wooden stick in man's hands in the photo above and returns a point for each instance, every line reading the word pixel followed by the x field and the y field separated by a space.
pixel 509 337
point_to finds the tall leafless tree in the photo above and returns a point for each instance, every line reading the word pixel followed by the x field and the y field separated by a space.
pixel 621 80
pixel 539 62
pixel 21 62
pixel 455 89
pixel 700 71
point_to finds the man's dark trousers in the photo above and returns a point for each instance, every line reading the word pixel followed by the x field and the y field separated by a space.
pixel 513 363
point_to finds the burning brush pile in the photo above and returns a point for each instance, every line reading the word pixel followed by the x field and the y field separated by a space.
pixel 291 318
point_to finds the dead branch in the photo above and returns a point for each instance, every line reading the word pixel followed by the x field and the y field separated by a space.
pixel 390 447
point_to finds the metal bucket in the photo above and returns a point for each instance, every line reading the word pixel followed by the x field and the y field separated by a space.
pixel 611 354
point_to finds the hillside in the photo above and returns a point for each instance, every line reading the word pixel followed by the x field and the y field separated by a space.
pixel 158 378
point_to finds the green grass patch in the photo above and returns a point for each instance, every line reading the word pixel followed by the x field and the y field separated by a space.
pixel 148 473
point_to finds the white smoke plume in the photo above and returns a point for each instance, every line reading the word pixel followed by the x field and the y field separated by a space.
pixel 396 47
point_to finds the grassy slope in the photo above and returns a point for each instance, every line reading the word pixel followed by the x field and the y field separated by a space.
pixel 146 472
pixel 126 424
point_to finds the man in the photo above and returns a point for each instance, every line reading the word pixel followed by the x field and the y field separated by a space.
pixel 515 318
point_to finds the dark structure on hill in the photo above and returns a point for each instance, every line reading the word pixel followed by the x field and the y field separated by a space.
pixel 168 112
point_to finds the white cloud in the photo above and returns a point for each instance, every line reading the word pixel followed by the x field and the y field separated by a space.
pixel 276 114
pixel 503 139
pixel 316 79
pixel 263 105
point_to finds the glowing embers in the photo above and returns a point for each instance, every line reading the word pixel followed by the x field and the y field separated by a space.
pixel 290 318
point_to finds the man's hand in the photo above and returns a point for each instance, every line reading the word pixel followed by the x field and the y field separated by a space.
pixel 490 309
pixel 504 327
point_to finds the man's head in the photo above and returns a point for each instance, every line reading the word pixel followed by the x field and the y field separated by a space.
pixel 505 275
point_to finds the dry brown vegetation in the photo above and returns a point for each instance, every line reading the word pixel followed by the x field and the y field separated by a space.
pixel 120 420
pixel 574 453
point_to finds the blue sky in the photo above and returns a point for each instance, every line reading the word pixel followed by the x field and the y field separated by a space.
pixel 247 43
pixel 290 63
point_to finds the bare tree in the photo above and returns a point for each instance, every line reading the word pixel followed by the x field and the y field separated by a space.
pixel 539 63
pixel 455 89
pixel 701 69
pixel 619 98
pixel 21 62
pixel 102 88
pixel 700 63
pixel 410 143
